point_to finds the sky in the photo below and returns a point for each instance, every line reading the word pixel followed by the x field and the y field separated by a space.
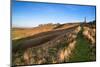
pixel 31 14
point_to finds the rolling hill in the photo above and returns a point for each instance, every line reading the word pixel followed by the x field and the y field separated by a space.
pixel 54 43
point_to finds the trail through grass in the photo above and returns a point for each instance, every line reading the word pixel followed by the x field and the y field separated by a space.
pixel 82 51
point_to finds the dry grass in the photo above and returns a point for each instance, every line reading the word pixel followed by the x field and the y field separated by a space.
pixel 89 33
pixel 18 33
pixel 56 50
pixel 55 46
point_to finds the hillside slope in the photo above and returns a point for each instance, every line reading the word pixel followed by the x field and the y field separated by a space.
pixel 61 44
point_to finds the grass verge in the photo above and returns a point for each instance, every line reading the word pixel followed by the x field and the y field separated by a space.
pixel 82 52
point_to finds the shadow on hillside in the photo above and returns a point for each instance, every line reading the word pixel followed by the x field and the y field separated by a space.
pixel 37 39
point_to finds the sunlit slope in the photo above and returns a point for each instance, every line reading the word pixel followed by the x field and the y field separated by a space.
pixel 62 44
pixel 18 33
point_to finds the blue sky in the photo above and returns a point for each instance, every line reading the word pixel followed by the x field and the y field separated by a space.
pixel 30 14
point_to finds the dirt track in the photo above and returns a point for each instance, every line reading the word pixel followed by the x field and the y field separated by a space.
pixel 41 38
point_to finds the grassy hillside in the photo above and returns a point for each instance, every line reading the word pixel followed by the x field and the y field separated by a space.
pixel 54 44
pixel 18 33
pixel 83 51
